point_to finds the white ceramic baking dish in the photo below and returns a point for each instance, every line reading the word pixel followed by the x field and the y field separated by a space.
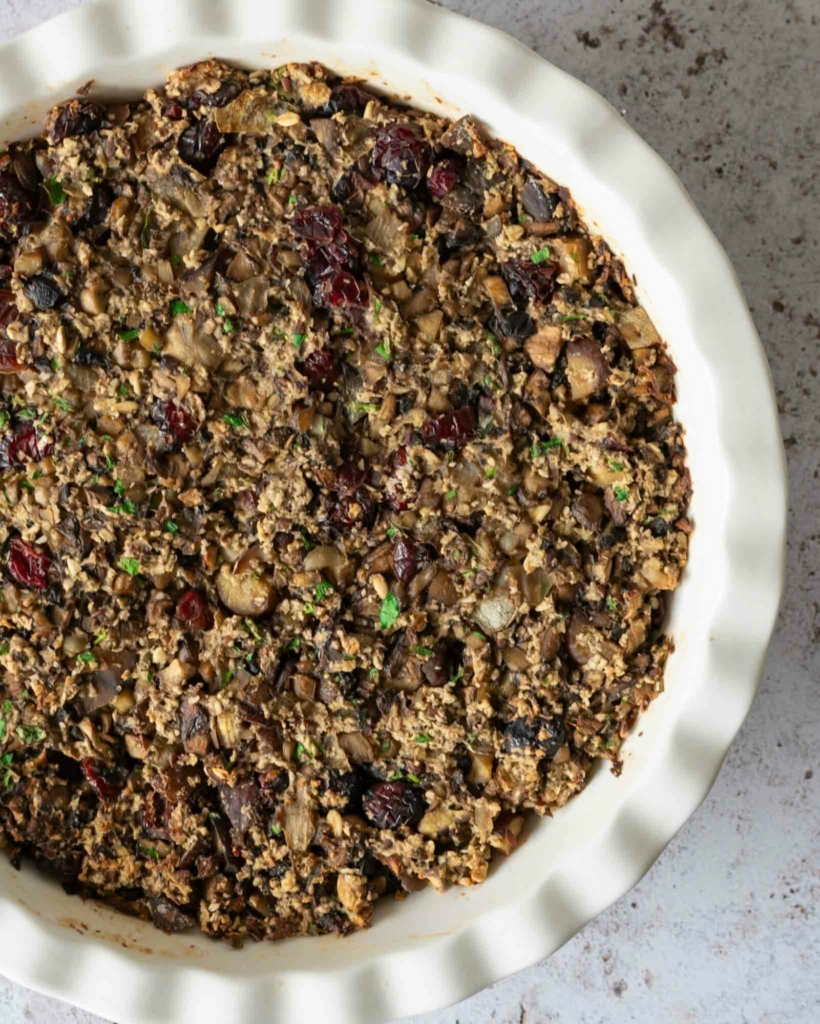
pixel 432 950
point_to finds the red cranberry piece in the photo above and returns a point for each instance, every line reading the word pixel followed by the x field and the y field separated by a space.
pixel 29 564
pixel 392 804
pixel 24 445
pixel 317 223
pixel 401 154
pixel 107 782
pixel 8 308
pixel 443 178
pixel 175 422
pixel 340 290
pixel 450 429
pixel 17 205
pixel 350 477
pixel 530 280
pixel 77 117
pixel 340 254
pixel 8 358
pixel 322 370
pixel 353 510
pixel 408 557
pixel 348 99
pixel 200 146
pixel 173 111
pixel 193 612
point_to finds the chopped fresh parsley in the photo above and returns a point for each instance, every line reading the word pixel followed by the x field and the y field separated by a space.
pixel 4 648
pixel 172 528
pixel 61 403
pixel 294 644
pixel 276 175
pixel 451 494
pixel 390 611
pixel 423 652
pixel 276 830
pixel 130 565
pixel 541 256
pixel 119 488
pixel 377 308
pixel 298 340
pixel 611 603
pixel 100 637
pixel 365 407
pixel 250 626
pixel 235 419
pixel 292 200
pixel 522 218
pixel 572 317
pixel 383 349
pixel 542 447
pixel 178 307
pixel 621 493
pixel 615 466
pixel 457 676
pixel 149 851
pixel 322 590
pixel 8 776
pixel 4 419
pixel 423 738
pixel 30 734
pixel 55 191
pixel 512 491
pixel 376 260
pixel 125 508
pixel 490 472
pixel 300 752
pixel 392 531
pixel 128 333
pixel 176 260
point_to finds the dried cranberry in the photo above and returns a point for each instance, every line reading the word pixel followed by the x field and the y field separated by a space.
pixel 175 421
pixel 221 97
pixel 401 154
pixel 200 145
pixel 350 477
pixel 43 292
pixel 173 111
pixel 392 804
pixel 537 734
pixel 107 782
pixel 353 510
pixel 530 280
pixel 77 117
pixel 8 308
pixel 17 205
pixel 340 290
pixel 193 612
pixel 9 362
pixel 28 564
pixel 322 370
pixel 443 178
pixel 450 429
pixel 408 557
pixel 24 445
pixel 348 99
pixel 317 223
pixel 340 254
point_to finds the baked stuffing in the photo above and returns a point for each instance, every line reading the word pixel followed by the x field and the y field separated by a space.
pixel 341 494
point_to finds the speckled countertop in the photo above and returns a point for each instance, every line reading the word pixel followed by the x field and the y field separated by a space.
pixel 725 928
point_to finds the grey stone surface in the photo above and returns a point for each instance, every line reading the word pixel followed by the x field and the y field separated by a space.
pixel 724 929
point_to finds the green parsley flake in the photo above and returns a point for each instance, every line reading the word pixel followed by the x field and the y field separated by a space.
pixel 490 472
pixel 423 652
pixel 8 776
pixel 541 256
pixel 100 637
pixel 276 176
pixel 376 260
pixel 130 565
pixel 236 420
pixel 383 349
pixel 452 494
pixel 322 590
pixel 542 447
pixel 423 738
pixel 150 852
pixel 172 528
pixel 30 734
pixel 294 645
pixel 178 307
pixel 55 191
pixel 377 308
pixel 4 648
pixel 275 830
pixel 128 333
pixel 119 488
pixel 298 340
pixel 392 531
pixel 4 419
pixel 292 200
pixel 572 317
pixel 61 403
pixel 457 676
pixel 176 260
pixel 125 508
pixel 612 604
pixel 390 611
pixel 300 752
pixel 615 466
pixel 621 493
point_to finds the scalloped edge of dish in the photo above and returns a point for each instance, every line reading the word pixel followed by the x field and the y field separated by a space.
pixel 681 259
